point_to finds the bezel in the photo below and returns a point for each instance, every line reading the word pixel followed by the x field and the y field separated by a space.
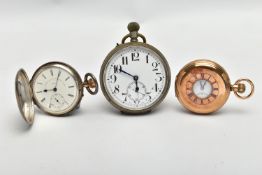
pixel 72 72
pixel 103 80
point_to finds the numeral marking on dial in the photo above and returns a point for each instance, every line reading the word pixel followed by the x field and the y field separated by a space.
pixel 125 99
pixel 113 78
pixel 213 95
pixel 117 68
pixel 116 89
pixel 51 72
pixel 70 95
pixel 159 78
pixel 155 66
pixel 124 60
pixel 67 78
pixel 156 87
pixel 149 98
pixel 147 59
pixel 135 56
pixel 202 76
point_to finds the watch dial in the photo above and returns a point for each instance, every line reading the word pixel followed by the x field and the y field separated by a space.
pixel 55 90
pixel 202 88
pixel 135 78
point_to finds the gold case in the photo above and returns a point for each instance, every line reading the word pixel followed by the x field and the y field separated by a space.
pixel 221 86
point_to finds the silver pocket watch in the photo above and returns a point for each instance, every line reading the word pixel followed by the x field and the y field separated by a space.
pixel 56 88
pixel 135 76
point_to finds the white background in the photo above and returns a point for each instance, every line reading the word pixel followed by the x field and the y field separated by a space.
pixel 97 139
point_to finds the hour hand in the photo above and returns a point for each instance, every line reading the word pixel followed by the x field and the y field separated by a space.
pixel 47 90
pixel 135 77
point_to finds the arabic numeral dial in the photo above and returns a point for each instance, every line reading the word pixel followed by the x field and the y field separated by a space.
pixel 134 78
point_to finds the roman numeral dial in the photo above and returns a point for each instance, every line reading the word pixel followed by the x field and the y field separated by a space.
pixel 55 89
pixel 202 88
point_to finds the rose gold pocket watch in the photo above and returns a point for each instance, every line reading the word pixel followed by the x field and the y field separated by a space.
pixel 203 86
pixel 56 88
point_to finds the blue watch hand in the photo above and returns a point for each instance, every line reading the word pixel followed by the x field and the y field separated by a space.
pixel 135 77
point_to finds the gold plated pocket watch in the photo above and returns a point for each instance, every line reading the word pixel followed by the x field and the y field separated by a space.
pixel 135 76
pixel 203 86
pixel 56 88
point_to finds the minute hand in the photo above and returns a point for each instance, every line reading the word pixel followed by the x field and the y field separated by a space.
pixel 121 70
pixel 203 85
pixel 59 73
pixel 135 77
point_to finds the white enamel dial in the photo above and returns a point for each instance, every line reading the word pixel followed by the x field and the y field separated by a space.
pixel 55 90
pixel 135 78
pixel 202 88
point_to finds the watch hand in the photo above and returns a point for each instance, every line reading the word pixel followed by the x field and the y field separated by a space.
pixel 46 90
pixel 58 101
pixel 59 73
pixel 201 86
pixel 205 83
pixel 135 77
pixel 121 70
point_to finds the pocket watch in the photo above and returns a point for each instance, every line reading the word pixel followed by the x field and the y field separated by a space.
pixel 203 86
pixel 56 88
pixel 135 76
